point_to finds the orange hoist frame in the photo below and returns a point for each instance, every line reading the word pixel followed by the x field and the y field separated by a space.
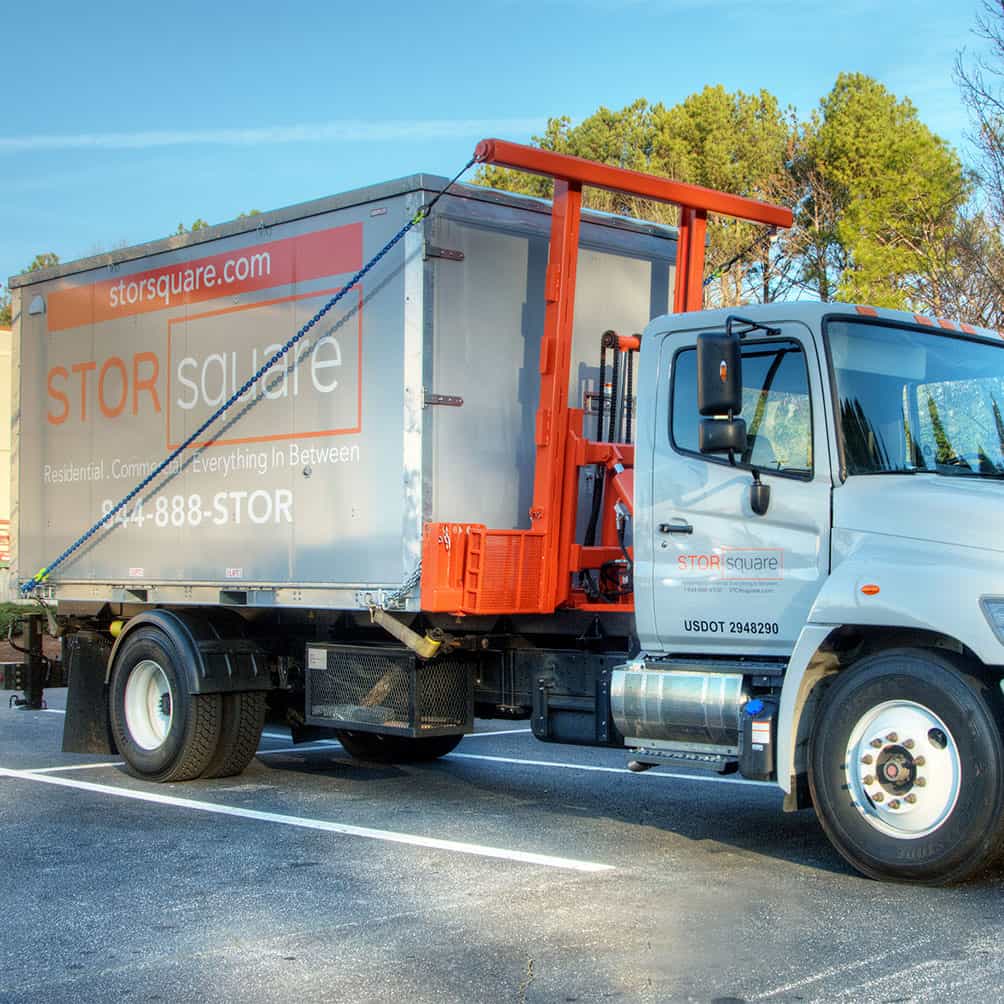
pixel 468 568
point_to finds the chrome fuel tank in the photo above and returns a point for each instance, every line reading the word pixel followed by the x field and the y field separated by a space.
pixel 682 707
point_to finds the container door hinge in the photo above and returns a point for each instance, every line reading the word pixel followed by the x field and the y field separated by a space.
pixel 444 400
pixel 431 251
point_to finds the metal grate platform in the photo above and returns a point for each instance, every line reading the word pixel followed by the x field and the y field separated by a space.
pixel 376 689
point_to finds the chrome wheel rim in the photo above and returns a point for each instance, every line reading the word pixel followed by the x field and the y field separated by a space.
pixel 903 769
pixel 149 707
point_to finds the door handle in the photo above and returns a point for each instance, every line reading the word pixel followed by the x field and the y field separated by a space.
pixel 675 528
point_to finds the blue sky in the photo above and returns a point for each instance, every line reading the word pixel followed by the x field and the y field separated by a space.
pixel 123 119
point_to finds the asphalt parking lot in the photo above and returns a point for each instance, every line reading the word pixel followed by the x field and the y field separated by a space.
pixel 510 870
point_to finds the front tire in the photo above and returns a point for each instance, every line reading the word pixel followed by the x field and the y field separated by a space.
pixel 378 748
pixel 163 732
pixel 906 768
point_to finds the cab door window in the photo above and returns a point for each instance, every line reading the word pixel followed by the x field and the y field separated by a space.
pixel 776 407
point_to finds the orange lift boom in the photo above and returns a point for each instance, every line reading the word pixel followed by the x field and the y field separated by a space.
pixel 470 569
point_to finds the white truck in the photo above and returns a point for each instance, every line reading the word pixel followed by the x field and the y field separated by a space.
pixel 764 540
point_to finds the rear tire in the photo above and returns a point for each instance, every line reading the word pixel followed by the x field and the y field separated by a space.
pixel 378 748
pixel 243 718
pixel 907 769
pixel 163 732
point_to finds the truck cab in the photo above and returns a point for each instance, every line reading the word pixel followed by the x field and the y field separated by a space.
pixel 853 535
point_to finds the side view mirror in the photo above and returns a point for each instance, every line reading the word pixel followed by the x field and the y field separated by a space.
pixel 720 393
pixel 719 374
pixel 722 435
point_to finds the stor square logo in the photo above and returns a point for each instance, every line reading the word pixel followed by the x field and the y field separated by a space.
pixel 752 564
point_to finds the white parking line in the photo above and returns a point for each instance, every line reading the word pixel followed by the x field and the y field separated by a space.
pixel 307 747
pixel 288 737
pixel 557 764
pixel 322 745
pixel 839 970
pixel 315 747
pixel 303 822
pixel 718 779
pixel 501 732
pixel 76 766
pixel 470 735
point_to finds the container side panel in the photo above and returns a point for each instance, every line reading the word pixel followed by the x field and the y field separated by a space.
pixel 614 291
pixel 489 315
pixel 488 290
pixel 299 483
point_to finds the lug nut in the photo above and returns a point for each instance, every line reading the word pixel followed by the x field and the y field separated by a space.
pixel 911 798
pixel 869 779
pixel 920 782
pixel 894 804
pixel 919 761
pixel 892 737
pixel 909 744
pixel 877 743
pixel 878 797
pixel 867 758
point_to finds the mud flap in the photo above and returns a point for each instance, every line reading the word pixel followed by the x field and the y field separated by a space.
pixel 799 797
pixel 86 727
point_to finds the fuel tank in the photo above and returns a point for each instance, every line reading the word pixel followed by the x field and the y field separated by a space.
pixel 691 710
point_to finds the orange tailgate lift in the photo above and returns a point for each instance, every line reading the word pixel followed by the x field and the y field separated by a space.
pixel 470 569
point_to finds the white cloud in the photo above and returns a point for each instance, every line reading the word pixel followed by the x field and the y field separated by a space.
pixel 342 131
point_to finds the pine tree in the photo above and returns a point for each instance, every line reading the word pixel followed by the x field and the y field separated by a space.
pixel 945 454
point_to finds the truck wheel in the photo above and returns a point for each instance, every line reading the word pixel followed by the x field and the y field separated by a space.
pixel 163 732
pixel 906 768
pixel 242 720
pixel 396 749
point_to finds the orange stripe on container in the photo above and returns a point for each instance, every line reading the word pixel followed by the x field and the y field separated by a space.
pixel 317 255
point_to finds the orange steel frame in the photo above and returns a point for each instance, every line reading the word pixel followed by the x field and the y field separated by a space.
pixel 470 569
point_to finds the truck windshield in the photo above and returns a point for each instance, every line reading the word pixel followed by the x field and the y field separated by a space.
pixel 914 401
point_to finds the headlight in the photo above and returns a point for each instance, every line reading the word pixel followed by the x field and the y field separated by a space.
pixel 993 610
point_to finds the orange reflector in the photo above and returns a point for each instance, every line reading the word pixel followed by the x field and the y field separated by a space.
pixel 867 311
pixel 920 319
pixel 947 325
pixel 870 590
pixel 968 329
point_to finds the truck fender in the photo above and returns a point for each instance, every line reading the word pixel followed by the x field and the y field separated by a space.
pixel 806 667
pixel 217 658
pixel 899 568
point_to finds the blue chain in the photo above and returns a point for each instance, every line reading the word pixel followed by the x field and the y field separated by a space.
pixel 42 574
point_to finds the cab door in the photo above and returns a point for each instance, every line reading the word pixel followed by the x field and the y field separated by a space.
pixel 725 579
